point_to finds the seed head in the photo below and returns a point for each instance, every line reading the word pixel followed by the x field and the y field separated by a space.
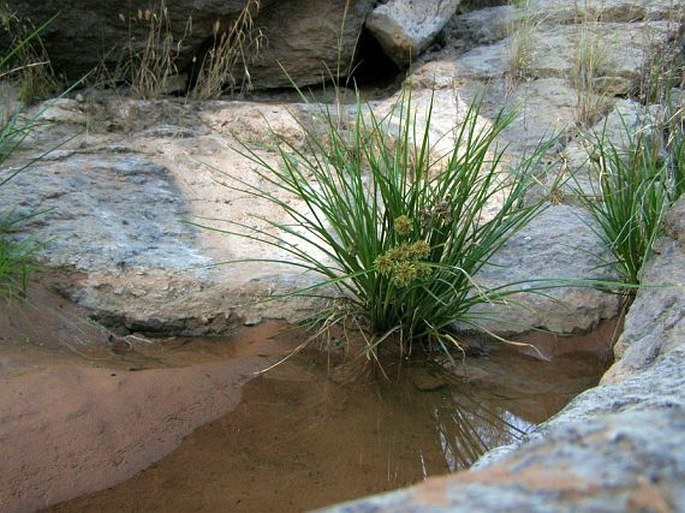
pixel 419 249
pixel 403 225
pixel 384 263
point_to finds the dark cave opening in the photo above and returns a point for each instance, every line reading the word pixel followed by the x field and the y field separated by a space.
pixel 372 67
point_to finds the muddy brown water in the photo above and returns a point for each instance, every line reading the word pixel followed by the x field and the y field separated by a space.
pixel 303 437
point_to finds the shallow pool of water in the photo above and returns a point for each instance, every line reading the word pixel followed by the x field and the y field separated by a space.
pixel 302 437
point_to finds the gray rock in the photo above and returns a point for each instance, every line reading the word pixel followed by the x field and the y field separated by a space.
pixel 558 245
pixel 116 212
pixel 625 49
pixel 86 32
pixel 484 26
pixel 657 320
pixel 310 40
pixel 405 28
pixel 308 37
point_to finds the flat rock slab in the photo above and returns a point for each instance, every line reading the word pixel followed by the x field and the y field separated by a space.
pixel 559 244
pixel 116 204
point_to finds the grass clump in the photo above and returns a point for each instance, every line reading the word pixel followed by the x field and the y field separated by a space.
pixel 26 62
pixel 590 61
pixel 633 187
pixel 15 257
pixel 147 67
pixel 396 225
pixel 238 44
pixel 521 44
pixel 15 260
pixel 675 148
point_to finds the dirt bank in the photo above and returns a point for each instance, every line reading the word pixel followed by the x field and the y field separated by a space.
pixel 75 413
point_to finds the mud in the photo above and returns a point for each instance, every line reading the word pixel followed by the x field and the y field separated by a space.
pixel 194 426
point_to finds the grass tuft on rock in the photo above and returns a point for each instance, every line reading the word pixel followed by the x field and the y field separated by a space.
pixel 633 187
pixel 395 223
pixel 15 256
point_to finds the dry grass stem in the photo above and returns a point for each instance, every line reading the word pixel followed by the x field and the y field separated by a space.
pixel 235 47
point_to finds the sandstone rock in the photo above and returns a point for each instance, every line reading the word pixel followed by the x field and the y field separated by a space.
pixel 304 35
pixel 405 28
pixel 484 26
pixel 62 110
pixel 309 40
pixel 116 212
pixel 627 121
pixel 104 202
pixel 610 11
pixel 88 31
pixel 560 243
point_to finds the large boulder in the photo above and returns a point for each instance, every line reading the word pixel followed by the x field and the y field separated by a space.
pixel 405 28
pixel 307 37
pixel 311 40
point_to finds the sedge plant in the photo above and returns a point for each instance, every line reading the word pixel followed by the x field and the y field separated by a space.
pixel 398 228
pixel 632 188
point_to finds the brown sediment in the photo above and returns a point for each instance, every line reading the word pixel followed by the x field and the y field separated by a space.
pixel 83 411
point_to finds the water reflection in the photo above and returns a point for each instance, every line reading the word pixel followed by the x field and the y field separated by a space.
pixel 469 428
pixel 300 440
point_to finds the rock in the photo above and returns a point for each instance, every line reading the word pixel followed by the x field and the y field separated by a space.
pixel 9 100
pixel 62 110
pixel 424 380
pixel 553 49
pixel 657 320
pixel 558 244
pixel 616 447
pixel 87 33
pixel 303 35
pixel 484 26
pixel 118 211
pixel 608 11
pixel 309 40
pixel 405 28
